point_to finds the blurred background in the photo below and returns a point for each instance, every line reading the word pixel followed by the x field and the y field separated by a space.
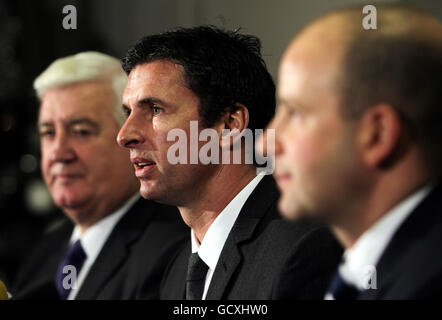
pixel 32 36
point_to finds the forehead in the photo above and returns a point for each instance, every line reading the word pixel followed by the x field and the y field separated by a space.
pixel 311 65
pixel 160 79
pixel 164 71
pixel 94 99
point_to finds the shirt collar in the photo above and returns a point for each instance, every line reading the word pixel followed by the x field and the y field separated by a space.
pixel 215 237
pixel 94 238
pixel 365 253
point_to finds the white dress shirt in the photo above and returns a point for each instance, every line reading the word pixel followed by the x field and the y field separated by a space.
pixel 360 260
pixel 94 239
pixel 216 236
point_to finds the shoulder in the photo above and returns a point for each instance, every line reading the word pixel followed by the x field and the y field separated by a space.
pixel 410 267
pixel 304 241
pixel 55 236
pixel 45 255
pixel 417 272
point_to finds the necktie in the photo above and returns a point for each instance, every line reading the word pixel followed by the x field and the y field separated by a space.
pixel 196 276
pixel 342 290
pixel 69 269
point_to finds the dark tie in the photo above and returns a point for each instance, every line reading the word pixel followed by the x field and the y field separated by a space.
pixel 66 278
pixel 342 290
pixel 196 276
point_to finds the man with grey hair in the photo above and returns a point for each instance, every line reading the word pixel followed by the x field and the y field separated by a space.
pixel 116 245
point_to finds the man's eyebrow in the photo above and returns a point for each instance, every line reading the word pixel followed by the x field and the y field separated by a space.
pixel 150 101
pixel 72 122
pixel 85 121
pixel 45 124
pixel 281 102
pixel 290 104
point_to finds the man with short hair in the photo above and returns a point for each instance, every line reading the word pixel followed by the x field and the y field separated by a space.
pixel 358 146
pixel 115 245
pixel 200 83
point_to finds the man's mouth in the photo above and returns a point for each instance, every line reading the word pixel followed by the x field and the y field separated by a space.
pixel 142 166
pixel 283 179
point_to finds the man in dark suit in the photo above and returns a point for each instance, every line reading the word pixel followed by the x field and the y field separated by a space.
pixel 264 257
pixel 359 146
pixel 203 82
pixel 114 245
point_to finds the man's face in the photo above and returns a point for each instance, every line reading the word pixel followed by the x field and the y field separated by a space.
pixel 83 166
pixel 157 100
pixel 315 153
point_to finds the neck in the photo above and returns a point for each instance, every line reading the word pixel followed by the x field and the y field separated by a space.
pixel 91 213
pixel 219 192
pixel 388 190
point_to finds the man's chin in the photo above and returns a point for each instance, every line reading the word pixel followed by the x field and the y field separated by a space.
pixel 162 196
pixel 289 208
pixel 70 201
pixel 147 191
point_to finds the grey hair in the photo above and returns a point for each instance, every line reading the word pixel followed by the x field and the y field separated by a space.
pixel 82 67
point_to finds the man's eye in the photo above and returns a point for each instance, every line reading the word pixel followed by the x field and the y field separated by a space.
pixel 47 133
pixel 292 112
pixel 126 112
pixel 156 110
pixel 82 132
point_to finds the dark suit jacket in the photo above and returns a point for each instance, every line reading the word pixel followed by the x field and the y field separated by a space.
pixel 129 266
pixel 411 265
pixel 264 257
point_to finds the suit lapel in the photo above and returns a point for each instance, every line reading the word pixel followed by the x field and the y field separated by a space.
pixel 115 250
pixel 253 212
pixel 413 228
pixel 39 277
pixel 61 239
pixel 224 270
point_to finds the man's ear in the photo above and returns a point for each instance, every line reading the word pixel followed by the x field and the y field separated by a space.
pixel 379 135
pixel 234 123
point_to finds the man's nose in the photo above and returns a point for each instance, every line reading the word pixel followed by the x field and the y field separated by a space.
pixel 62 149
pixel 262 145
pixel 129 135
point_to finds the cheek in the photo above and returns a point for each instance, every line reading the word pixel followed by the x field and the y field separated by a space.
pixel 95 158
pixel 320 138
pixel 305 149
pixel 44 166
pixel 45 171
pixel 161 145
pixel 308 151
pixel 301 146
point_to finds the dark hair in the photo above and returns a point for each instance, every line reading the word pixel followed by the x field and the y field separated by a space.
pixel 404 71
pixel 221 67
